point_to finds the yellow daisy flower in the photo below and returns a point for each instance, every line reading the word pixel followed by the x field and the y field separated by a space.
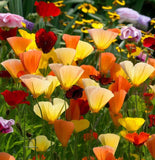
pixel 87 8
pixel 113 16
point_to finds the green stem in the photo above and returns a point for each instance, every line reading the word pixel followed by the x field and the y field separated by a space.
pixel 51 149
pixel 24 144
pixel 75 147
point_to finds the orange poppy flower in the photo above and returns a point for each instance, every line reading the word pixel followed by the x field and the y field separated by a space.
pixel 6 156
pixel 117 101
pixel 71 40
pixel 116 30
pixel 19 44
pixel 13 66
pixel 30 60
pixel 63 130
pixel 106 61
pixel 104 153
pixel 151 61
pixel 120 84
pixel 137 139
pixel 150 145
pixel 102 38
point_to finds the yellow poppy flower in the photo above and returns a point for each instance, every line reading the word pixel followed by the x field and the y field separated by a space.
pixel 54 82
pixel 80 125
pixel 65 55
pixel 35 83
pixel 89 82
pixel 153 88
pixel 68 75
pixel 83 49
pixel 102 38
pixel 87 8
pixel 97 97
pixel 138 73
pixel 131 124
pixel 41 143
pixel 50 112
pixel 109 139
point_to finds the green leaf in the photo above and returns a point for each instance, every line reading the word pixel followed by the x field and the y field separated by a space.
pixel 3 3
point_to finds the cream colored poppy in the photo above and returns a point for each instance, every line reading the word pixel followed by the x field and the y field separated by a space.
pixel 65 55
pixel 102 38
pixel 97 97
pixel 41 143
pixel 89 82
pixel 36 84
pixel 83 50
pixel 109 139
pixel 68 75
pixel 50 111
pixel 138 73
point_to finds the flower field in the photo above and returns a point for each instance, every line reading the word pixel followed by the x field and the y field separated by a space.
pixel 77 80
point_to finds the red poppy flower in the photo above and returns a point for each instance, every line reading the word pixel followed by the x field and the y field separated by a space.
pixel 74 92
pixel 13 98
pixel 152 120
pixel 46 9
pixel 5 74
pixel 45 40
pixel 136 139
pixel 101 79
pixel 42 157
pixel 6 33
pixel 149 42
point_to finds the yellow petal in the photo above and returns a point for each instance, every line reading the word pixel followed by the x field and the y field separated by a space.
pixel 83 50
pixel 68 75
pixel 138 73
pixel 131 124
pixel 89 82
pixel 65 55
pixel 153 88
pixel 102 38
pixel 36 84
pixel 41 143
pixel 81 124
pixel 97 97
pixel 109 139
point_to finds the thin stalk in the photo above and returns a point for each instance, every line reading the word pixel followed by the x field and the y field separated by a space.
pixel 51 149
pixel 75 147
pixel 24 144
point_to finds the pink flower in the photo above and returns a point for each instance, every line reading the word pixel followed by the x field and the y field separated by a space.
pixel 10 20
pixel 130 33
pixel 5 125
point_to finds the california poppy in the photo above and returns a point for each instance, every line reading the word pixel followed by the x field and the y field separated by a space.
pixel 50 111
pixel 71 40
pixel 13 98
pixel 19 44
pixel 152 120
pixel 151 61
pixel 45 40
pixel 102 38
pixel 90 136
pixel 46 9
pixel 63 130
pixel 106 62
pixel 137 139
pixel 65 55
pixel 6 156
pixel 150 145
pixel 131 124
pixel 40 143
pixel 36 84
pixel 30 60
pixel 68 75
pixel 138 73
pixel 97 97
pixel 109 139
pixel 13 66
